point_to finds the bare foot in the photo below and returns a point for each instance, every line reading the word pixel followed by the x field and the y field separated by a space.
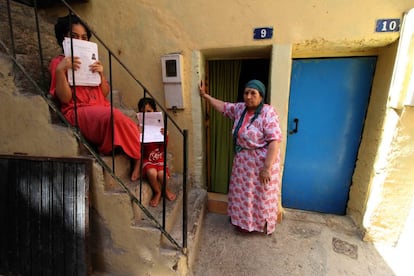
pixel 170 195
pixel 135 174
pixel 155 200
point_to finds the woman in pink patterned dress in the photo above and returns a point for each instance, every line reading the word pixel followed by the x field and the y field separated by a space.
pixel 254 183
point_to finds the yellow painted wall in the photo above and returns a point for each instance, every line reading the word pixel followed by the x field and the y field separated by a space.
pixel 388 210
pixel 139 32
pixel 371 149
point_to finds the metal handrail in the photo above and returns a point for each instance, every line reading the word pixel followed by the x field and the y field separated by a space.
pixel 90 148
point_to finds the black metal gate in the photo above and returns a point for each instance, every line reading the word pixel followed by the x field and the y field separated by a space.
pixel 44 215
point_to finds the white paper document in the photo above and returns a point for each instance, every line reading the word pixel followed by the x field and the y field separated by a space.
pixel 154 122
pixel 88 53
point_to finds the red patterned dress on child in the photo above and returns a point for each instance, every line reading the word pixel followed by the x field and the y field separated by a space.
pixel 153 157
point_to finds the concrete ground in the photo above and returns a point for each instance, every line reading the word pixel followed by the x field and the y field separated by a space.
pixel 304 243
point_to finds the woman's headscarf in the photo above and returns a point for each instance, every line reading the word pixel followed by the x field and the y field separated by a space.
pixel 259 86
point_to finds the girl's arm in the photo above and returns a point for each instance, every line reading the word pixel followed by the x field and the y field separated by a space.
pixel 63 90
pixel 98 67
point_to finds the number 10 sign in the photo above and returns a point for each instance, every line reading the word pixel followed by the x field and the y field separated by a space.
pixel 388 25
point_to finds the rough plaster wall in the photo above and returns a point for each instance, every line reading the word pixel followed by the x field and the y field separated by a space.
pixel 118 248
pixel 391 207
pixel 26 44
pixel 25 125
pixel 198 127
pixel 370 150
pixel 280 83
pixel 382 189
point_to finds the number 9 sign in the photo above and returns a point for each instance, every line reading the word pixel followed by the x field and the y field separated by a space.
pixel 263 33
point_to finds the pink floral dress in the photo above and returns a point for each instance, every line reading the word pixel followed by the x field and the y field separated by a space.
pixel 252 205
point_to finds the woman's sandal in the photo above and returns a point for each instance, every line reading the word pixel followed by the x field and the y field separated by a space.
pixel 241 230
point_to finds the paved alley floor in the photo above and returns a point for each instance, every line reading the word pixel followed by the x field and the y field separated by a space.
pixel 304 243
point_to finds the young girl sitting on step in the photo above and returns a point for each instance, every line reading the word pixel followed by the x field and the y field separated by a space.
pixel 153 160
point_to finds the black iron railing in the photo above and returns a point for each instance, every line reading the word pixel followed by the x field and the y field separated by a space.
pixel 168 121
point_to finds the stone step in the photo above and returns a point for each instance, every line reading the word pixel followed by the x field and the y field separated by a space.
pixel 172 208
pixel 115 239
pixel 196 209
pixel 143 225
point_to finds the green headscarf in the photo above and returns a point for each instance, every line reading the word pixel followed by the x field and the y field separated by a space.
pixel 259 86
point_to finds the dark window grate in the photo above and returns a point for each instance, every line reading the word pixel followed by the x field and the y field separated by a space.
pixel 43 216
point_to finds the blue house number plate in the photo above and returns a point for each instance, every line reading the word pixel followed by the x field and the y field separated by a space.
pixel 263 33
pixel 388 25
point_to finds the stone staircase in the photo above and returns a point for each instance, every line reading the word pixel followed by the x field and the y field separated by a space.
pixel 128 241
pixel 122 240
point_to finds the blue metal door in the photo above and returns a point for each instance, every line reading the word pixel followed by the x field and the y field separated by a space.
pixel 327 106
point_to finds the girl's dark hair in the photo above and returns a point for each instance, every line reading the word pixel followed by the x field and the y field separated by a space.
pixel 144 101
pixel 64 26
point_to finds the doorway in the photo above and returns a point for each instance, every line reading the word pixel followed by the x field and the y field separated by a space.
pixel 226 80
pixel 327 107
